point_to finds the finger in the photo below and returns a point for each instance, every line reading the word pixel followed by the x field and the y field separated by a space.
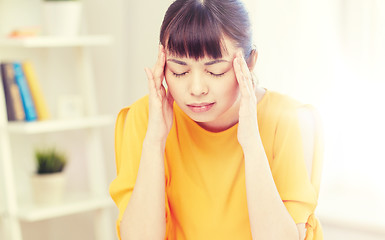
pixel 170 98
pixel 162 92
pixel 241 78
pixel 151 82
pixel 246 71
pixel 159 67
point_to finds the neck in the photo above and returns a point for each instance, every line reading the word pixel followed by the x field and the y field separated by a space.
pixel 224 122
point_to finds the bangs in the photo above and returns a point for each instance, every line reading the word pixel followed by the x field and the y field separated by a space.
pixel 193 33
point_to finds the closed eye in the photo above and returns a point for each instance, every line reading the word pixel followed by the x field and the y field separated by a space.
pixel 217 75
pixel 179 74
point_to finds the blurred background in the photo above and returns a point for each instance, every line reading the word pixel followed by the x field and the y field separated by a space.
pixel 328 53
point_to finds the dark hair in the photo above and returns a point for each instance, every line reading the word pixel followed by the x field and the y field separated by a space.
pixel 196 28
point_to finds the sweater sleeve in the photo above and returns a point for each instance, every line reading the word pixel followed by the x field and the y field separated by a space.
pixel 130 130
pixel 297 187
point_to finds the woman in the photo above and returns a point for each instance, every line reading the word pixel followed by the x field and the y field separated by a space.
pixel 215 156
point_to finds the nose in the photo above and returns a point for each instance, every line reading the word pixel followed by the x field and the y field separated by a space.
pixel 198 85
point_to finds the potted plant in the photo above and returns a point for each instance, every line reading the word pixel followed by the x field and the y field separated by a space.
pixel 62 17
pixel 48 183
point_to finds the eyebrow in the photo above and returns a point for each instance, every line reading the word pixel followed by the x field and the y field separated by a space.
pixel 177 61
pixel 207 63
pixel 215 61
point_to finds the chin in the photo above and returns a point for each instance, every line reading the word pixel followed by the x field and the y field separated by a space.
pixel 201 118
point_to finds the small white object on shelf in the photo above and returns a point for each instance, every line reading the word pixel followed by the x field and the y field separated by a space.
pixel 62 18
pixel 48 189
pixel 70 106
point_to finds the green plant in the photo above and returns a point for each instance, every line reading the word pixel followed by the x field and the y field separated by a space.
pixel 50 161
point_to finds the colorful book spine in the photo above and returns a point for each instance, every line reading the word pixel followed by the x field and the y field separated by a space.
pixel 15 109
pixel 28 104
pixel 36 92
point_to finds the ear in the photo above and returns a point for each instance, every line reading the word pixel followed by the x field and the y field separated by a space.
pixel 252 60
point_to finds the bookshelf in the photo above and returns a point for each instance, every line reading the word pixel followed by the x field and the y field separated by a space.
pixel 17 206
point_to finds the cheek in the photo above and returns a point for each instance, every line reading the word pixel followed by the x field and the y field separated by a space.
pixel 172 86
pixel 231 86
pixel 232 91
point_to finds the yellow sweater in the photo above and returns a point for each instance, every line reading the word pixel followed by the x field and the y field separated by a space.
pixel 205 176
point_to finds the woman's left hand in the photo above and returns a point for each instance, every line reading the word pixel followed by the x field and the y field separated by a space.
pixel 248 131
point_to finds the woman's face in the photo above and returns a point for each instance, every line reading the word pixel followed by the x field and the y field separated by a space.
pixel 205 89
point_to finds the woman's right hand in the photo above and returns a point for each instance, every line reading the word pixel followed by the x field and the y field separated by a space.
pixel 160 102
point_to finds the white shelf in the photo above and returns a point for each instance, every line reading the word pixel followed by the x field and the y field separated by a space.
pixel 21 209
pixel 58 125
pixel 70 206
pixel 48 41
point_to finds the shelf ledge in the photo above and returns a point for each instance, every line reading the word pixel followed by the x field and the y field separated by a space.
pixel 58 125
pixel 48 41
pixel 33 213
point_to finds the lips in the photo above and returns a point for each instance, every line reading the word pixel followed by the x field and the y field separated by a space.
pixel 200 107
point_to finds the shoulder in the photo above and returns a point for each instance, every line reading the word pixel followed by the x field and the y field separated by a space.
pixel 282 102
pixel 275 108
pixel 137 110
pixel 284 106
pixel 130 127
pixel 285 114
pixel 139 106
pixel 297 121
pixel 132 116
pixel 290 109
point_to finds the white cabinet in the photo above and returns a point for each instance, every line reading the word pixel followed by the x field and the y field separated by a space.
pixel 81 135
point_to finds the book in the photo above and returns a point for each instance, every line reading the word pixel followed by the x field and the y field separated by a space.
pixel 28 104
pixel 36 92
pixel 15 109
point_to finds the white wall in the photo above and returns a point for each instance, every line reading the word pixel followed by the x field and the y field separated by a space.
pixel 135 24
pixel 331 54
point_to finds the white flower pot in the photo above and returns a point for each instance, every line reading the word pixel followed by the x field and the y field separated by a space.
pixel 62 18
pixel 48 189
